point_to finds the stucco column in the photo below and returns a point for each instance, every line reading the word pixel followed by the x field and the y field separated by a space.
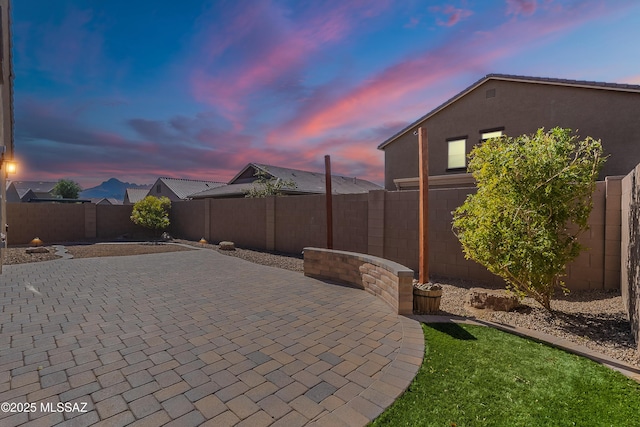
pixel 207 219
pixel 90 220
pixel 375 235
pixel 270 217
pixel 612 231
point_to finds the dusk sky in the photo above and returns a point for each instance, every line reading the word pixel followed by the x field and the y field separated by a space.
pixel 197 89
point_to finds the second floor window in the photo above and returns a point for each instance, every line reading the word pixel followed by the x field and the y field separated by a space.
pixel 491 133
pixel 457 153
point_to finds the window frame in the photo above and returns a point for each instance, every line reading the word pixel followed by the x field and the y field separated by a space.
pixel 464 138
pixel 490 130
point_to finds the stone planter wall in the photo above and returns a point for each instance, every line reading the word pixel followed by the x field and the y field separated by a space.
pixel 385 279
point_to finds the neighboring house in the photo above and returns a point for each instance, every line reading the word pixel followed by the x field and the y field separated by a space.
pixel 510 105
pixel 180 189
pixel 305 182
pixel 24 191
pixel 134 195
pixel 106 201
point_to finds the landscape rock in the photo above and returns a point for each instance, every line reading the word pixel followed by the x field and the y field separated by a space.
pixel 492 299
pixel 38 250
pixel 227 246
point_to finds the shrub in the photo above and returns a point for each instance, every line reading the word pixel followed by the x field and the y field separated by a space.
pixel 66 189
pixel 152 213
pixel 265 185
pixel 534 197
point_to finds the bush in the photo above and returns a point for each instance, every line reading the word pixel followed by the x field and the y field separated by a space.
pixel 66 189
pixel 265 185
pixel 535 194
pixel 152 213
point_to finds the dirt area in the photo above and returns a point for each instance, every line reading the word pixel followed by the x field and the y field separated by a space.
pixel 20 255
pixel 595 319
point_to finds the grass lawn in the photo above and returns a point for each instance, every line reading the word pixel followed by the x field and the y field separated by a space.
pixel 478 376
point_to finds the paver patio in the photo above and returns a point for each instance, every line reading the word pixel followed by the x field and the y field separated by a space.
pixel 196 338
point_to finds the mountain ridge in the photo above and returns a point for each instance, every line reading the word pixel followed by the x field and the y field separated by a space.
pixel 111 188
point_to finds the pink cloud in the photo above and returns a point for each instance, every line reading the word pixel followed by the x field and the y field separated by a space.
pixel 403 84
pixel 454 15
pixel 414 21
pixel 632 80
pixel 521 7
pixel 277 49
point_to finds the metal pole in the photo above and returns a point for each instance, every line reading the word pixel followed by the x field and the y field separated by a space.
pixel 329 198
pixel 423 144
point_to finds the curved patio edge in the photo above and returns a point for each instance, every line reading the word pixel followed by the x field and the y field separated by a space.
pixel 393 382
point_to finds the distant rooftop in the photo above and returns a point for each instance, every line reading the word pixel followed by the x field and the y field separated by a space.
pixel 306 182
pixel 183 188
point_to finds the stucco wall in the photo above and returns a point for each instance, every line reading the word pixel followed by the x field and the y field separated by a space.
pixel 522 108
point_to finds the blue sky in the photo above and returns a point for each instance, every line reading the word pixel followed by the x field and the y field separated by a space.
pixel 198 89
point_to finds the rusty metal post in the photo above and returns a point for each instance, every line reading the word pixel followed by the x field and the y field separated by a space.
pixel 423 148
pixel 329 198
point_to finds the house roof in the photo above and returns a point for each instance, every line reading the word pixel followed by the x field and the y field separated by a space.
pixel 135 194
pixel 37 187
pixel 106 200
pixel 183 188
pixel 513 78
pixel 306 182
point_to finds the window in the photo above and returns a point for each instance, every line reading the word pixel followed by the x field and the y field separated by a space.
pixel 457 154
pixel 491 133
pixel 158 188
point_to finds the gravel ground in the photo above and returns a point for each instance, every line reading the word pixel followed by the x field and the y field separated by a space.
pixel 285 261
pixel 595 319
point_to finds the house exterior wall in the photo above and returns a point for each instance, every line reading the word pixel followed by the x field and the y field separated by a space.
pixel 522 108
pixel 160 189
pixel 12 194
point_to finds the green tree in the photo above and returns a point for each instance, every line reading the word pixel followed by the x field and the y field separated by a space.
pixel 66 189
pixel 265 185
pixel 152 213
pixel 534 198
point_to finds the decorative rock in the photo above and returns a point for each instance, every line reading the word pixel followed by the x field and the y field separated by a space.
pixel 497 300
pixel 227 246
pixel 38 250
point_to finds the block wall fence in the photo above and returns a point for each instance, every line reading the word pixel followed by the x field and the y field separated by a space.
pixel 380 223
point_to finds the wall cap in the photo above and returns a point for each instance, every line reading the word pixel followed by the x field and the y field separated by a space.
pixel 391 266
